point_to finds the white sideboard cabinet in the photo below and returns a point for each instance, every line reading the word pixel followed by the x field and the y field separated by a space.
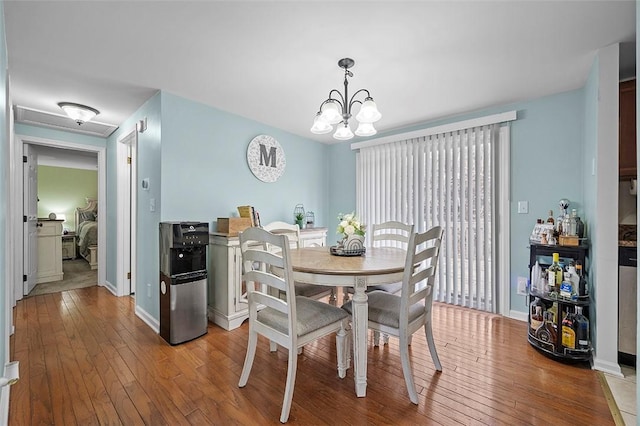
pixel 227 301
pixel 49 251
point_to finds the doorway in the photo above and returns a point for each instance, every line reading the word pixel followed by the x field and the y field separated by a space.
pixel 21 245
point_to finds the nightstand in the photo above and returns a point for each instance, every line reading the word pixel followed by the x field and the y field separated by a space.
pixel 69 246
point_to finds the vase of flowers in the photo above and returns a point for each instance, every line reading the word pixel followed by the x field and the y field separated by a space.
pixel 352 231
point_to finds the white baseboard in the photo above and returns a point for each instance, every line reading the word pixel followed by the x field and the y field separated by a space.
pixel 520 316
pixel 4 405
pixel 607 367
pixel 111 288
pixel 148 319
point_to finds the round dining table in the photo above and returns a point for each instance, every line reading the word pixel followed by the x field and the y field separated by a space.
pixel 316 265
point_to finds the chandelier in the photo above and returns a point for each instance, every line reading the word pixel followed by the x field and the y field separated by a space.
pixel 337 110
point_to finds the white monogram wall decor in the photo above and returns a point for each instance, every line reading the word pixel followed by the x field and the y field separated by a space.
pixel 266 158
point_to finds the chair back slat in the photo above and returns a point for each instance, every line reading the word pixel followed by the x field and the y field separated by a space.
pixel 267 272
pixel 391 234
pixel 420 270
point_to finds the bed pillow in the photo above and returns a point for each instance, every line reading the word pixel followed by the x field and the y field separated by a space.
pixel 87 216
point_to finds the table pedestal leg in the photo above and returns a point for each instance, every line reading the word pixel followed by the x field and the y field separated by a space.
pixel 360 321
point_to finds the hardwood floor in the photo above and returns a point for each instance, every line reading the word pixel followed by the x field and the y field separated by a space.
pixel 85 358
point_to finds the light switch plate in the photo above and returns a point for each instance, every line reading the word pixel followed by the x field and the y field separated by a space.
pixel 523 207
pixel 522 285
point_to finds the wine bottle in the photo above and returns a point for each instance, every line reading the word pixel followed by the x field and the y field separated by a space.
pixel 582 329
pixel 568 331
pixel 582 280
pixel 554 275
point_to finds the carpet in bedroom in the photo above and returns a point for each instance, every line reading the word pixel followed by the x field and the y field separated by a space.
pixel 77 274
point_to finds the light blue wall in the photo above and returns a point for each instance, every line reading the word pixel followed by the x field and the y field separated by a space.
pixel 4 194
pixel 205 173
pixel 148 166
pixel 546 165
pixel 195 158
pixel 342 181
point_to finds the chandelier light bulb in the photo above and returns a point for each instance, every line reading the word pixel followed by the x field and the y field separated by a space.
pixel 366 129
pixel 368 112
pixel 320 127
pixel 343 132
pixel 331 112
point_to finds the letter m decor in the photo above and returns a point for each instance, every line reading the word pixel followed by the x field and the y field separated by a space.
pixel 266 158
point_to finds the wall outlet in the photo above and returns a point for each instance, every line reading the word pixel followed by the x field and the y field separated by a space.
pixel 523 283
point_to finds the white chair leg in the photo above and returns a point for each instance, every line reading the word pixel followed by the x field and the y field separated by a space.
pixel 273 346
pixel 432 346
pixel 406 370
pixel 410 339
pixel 288 390
pixel 300 350
pixel 349 344
pixel 385 339
pixel 341 350
pixel 248 359
pixel 376 338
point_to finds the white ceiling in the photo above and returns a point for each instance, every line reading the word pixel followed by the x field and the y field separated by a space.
pixel 275 62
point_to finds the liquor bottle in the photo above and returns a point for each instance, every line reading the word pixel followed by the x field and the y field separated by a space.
pixel 568 331
pixel 554 275
pixel 582 280
pixel 581 324
pixel 536 318
pixel 579 227
pixel 550 219
pixel 553 310
pixel 558 226
pixel 547 332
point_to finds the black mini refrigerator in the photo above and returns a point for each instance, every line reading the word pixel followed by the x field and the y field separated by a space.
pixel 183 280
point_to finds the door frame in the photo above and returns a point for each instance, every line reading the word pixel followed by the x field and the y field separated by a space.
pixel 127 145
pixel 16 203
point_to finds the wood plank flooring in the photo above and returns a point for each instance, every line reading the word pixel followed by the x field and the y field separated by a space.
pixel 86 359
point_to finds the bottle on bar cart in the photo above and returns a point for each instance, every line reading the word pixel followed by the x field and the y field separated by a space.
pixel 582 329
pixel 554 275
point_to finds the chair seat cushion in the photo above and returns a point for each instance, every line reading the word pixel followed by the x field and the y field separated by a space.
pixel 311 316
pixel 384 308
pixel 394 288
pixel 311 290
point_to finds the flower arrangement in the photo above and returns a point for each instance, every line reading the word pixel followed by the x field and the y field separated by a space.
pixel 350 225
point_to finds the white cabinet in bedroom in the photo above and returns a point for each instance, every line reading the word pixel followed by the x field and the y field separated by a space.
pixel 49 251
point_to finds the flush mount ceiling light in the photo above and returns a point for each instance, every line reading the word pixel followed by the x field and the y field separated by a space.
pixel 78 112
pixel 338 109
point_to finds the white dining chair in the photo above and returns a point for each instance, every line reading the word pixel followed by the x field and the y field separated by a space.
pixel 404 314
pixel 388 234
pixel 292 231
pixel 291 322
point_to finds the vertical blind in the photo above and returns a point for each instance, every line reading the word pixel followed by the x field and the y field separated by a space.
pixel 448 180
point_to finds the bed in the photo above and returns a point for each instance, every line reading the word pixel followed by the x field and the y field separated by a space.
pixel 87 232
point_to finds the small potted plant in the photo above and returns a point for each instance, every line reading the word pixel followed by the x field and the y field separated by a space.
pixel 299 217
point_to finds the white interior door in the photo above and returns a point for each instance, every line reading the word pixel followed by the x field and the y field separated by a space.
pixel 30 213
